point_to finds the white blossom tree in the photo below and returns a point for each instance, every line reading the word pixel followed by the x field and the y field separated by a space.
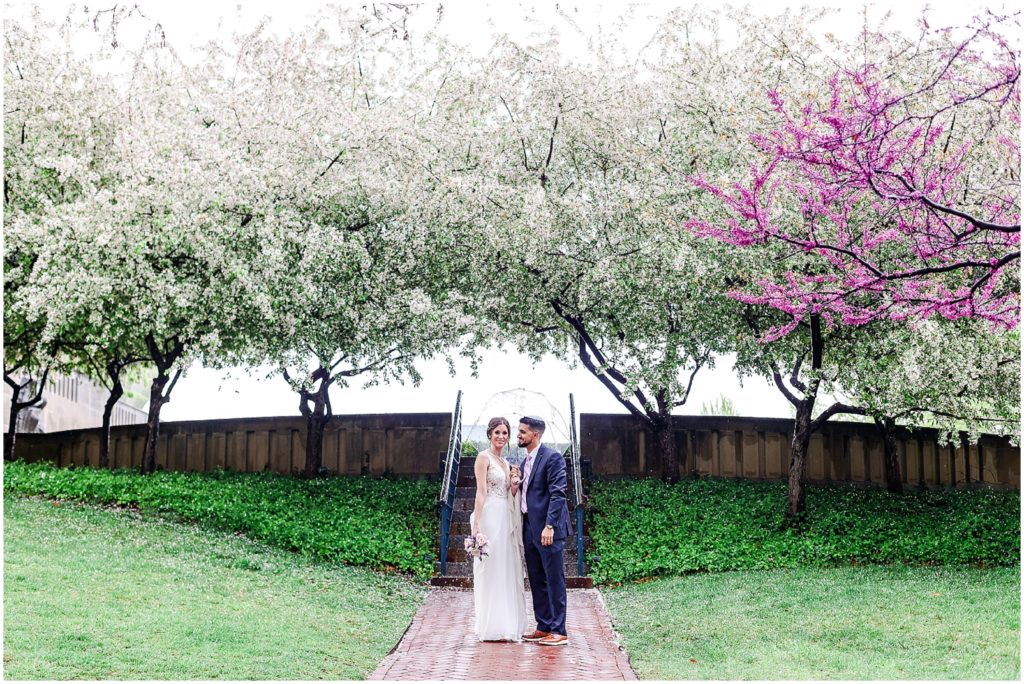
pixel 55 138
pixel 960 377
pixel 347 275
pixel 136 259
pixel 569 174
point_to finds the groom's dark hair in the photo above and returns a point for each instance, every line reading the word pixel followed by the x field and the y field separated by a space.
pixel 534 423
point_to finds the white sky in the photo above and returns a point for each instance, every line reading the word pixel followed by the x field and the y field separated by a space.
pixel 204 393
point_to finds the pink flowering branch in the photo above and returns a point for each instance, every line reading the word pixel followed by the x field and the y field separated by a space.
pixel 909 199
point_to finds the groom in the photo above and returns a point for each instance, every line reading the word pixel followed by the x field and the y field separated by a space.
pixel 545 527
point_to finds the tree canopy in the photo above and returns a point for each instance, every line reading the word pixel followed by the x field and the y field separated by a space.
pixel 343 200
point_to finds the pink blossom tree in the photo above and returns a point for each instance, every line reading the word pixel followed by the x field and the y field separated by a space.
pixel 889 193
pixel 901 177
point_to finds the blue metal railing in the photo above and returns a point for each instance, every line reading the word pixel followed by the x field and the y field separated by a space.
pixel 577 484
pixel 450 479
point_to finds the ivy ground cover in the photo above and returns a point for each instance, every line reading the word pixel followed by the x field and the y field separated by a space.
pixel 646 528
pixel 381 524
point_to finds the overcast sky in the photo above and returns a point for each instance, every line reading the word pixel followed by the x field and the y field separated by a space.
pixel 545 387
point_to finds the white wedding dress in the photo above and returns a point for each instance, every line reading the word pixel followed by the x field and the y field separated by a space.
pixel 499 600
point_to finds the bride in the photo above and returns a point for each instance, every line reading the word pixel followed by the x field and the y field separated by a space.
pixel 499 600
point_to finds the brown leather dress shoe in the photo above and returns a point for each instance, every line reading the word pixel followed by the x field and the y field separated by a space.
pixel 536 635
pixel 554 640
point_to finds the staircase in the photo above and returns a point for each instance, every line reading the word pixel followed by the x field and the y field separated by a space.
pixel 459 571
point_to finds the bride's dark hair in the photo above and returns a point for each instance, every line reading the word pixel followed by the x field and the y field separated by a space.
pixel 495 422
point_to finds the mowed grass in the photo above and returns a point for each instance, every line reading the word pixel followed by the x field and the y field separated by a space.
pixel 839 623
pixel 94 593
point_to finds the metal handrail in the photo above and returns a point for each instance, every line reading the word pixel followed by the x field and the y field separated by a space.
pixel 577 484
pixel 446 501
pixel 575 453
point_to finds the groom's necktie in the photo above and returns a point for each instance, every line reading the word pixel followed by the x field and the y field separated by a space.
pixel 526 477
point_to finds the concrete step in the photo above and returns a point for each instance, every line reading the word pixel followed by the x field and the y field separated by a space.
pixel 457 553
pixel 460 530
pixel 460 567
pixel 463 582
pixel 576 583
pixel 467 582
pixel 466 503
pixel 462 515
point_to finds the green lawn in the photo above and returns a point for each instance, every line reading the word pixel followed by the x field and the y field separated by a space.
pixel 841 623
pixel 107 593
pixel 93 593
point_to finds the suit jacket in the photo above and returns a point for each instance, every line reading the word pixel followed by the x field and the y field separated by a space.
pixel 545 494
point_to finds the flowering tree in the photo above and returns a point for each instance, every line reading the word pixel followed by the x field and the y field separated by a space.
pixel 232 211
pixel 900 176
pixel 951 375
pixel 134 258
pixel 888 191
pixel 565 174
pixel 957 376
pixel 26 363
pixel 52 119
pixel 804 365
pixel 346 275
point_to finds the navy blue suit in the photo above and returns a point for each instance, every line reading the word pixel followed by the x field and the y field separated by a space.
pixel 546 505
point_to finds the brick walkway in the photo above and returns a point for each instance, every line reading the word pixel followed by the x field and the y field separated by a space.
pixel 440 645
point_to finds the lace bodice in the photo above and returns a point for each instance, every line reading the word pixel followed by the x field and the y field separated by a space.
pixel 497 478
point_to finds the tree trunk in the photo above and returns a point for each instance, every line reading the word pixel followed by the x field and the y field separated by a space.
pixel 159 393
pixel 893 479
pixel 11 432
pixel 965 446
pixel 668 451
pixel 156 402
pixel 314 444
pixel 802 424
pixel 115 394
pixel 316 407
pixel 17 406
pixel 797 494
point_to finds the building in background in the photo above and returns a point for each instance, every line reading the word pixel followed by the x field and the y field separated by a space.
pixel 75 401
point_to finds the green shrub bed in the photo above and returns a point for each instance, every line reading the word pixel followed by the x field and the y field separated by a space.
pixel 383 524
pixel 647 528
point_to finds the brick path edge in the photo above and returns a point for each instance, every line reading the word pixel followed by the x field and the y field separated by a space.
pixel 439 644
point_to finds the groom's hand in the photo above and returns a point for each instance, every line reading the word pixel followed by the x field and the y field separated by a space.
pixel 547 536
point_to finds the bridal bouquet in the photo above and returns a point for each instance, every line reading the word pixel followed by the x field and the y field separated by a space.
pixel 476 547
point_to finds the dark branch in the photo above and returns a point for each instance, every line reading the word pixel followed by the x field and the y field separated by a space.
pixel 834 409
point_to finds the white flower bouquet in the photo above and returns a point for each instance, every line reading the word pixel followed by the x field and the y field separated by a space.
pixel 476 546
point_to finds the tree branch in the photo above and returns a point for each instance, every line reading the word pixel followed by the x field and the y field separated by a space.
pixel 834 409
pixel 782 387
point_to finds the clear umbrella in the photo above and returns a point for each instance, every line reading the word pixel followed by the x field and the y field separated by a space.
pixel 513 404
